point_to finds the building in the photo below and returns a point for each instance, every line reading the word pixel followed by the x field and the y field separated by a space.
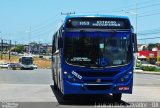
pixel 151 56
pixel 38 48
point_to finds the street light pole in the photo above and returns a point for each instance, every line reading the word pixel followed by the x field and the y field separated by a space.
pixel 29 36
pixel 10 43
pixel 1 49
pixel 0 35
pixel 136 18
pixel 136 22
pixel 1 40
pixel 136 15
pixel 29 40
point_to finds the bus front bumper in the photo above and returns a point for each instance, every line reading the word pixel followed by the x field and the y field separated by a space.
pixel 97 88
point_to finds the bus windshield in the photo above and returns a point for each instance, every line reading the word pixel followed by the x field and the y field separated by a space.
pixel 98 50
pixel 27 60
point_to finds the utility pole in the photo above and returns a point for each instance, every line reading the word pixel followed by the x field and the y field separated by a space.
pixel 29 36
pixel 1 49
pixel 10 49
pixel 29 40
pixel 1 44
pixel 67 13
pixel 15 42
pixel 0 33
pixel 136 18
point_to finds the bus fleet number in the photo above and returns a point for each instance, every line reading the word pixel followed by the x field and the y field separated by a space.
pixel 84 23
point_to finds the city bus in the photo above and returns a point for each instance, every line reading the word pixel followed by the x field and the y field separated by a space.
pixel 94 55
pixel 26 62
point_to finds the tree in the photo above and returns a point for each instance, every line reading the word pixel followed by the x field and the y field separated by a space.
pixel 144 48
pixel 151 46
pixel 18 48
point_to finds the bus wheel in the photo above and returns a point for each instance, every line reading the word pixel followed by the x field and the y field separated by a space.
pixel 117 97
pixel 65 97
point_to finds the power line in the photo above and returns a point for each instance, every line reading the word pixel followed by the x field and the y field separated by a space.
pixel 38 27
pixel 148 38
pixel 153 10
pixel 39 31
pixel 46 21
pixel 142 7
pixel 149 31
pixel 124 8
pixel 45 25
pixel 50 25
pixel 147 15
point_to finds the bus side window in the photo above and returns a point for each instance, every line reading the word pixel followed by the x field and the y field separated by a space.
pixel 60 41
pixel 53 44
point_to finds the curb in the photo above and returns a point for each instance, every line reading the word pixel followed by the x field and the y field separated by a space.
pixel 148 72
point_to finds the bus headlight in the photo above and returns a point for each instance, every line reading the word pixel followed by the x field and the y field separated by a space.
pixel 70 77
pixel 65 72
pixel 126 77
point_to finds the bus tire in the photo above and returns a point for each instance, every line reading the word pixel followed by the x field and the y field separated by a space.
pixel 117 97
pixel 65 97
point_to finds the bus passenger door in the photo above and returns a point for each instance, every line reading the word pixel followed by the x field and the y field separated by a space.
pixel 55 68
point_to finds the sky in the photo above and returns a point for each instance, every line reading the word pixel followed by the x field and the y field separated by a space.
pixel 26 21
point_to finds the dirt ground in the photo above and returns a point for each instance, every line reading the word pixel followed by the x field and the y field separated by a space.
pixel 40 62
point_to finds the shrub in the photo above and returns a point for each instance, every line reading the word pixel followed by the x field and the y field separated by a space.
pixel 40 56
pixel 148 68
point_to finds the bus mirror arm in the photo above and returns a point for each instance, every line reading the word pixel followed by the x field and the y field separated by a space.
pixel 60 43
pixel 135 42
pixel 57 52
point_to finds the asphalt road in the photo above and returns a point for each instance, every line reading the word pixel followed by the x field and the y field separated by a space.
pixel 37 76
pixel 35 86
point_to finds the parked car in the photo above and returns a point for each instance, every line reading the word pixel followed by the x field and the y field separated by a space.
pixel 4 65
pixel 35 66
pixel 158 63
pixel 145 63
pixel 138 69
pixel 0 65
pixel 13 66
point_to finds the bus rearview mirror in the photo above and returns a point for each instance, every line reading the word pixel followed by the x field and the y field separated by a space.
pixel 135 42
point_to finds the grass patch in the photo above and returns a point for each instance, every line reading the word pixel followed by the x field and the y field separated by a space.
pixel 42 63
pixel 150 68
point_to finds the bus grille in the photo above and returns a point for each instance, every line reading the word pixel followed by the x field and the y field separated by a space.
pixel 94 80
pixel 98 87
pixel 98 74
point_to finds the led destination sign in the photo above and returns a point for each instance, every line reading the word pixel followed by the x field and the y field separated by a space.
pixel 104 23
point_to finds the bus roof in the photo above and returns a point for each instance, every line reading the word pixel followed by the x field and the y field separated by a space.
pixel 26 56
pixel 116 17
pixel 97 15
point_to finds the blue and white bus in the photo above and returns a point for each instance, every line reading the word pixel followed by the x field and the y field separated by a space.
pixel 94 55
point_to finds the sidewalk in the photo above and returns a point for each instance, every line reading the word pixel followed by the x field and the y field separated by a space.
pixel 147 72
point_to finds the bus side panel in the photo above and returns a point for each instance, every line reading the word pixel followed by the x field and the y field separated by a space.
pixel 58 72
pixel 54 67
pixel 59 69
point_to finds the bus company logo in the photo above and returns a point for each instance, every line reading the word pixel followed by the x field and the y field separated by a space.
pixel 76 75
pixel 98 80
